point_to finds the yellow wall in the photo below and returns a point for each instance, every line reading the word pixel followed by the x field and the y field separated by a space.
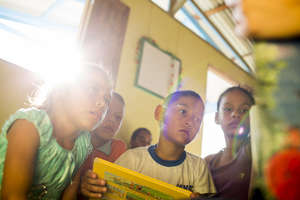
pixel 16 84
pixel 146 19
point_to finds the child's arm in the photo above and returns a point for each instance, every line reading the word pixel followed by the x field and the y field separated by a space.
pixel 89 186
pixel 195 195
pixel 71 191
pixel 23 142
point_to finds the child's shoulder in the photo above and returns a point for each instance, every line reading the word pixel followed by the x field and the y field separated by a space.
pixel 118 142
pixel 137 153
pixel 39 118
pixel 192 158
pixel 138 150
pixel 132 156
pixel 30 113
pixel 212 158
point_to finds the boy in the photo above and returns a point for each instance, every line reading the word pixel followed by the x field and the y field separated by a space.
pixel 179 119
pixel 141 137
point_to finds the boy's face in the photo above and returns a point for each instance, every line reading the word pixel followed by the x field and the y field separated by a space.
pixel 182 120
pixel 112 121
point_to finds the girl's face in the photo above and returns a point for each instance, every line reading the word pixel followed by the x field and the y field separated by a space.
pixel 87 100
pixel 233 114
pixel 112 121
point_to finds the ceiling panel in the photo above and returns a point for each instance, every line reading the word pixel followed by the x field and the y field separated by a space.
pixel 30 7
pixel 223 21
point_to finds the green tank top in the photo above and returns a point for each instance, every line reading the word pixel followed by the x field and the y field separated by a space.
pixel 55 166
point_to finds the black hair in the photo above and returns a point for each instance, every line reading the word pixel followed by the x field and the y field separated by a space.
pixel 137 132
pixel 243 90
pixel 119 97
pixel 181 93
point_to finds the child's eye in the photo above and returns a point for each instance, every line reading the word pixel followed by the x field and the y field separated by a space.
pixel 118 118
pixel 92 90
pixel 227 109
pixel 244 110
pixel 182 111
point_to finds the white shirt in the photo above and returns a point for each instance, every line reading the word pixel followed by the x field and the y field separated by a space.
pixel 189 172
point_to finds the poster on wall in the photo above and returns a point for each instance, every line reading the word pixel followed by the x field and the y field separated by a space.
pixel 158 70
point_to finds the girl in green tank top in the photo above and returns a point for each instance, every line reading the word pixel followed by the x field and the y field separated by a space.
pixel 42 147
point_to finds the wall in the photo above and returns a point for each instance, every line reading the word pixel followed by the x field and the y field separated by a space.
pixel 16 84
pixel 146 19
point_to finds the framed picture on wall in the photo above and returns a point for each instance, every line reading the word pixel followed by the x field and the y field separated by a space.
pixel 158 70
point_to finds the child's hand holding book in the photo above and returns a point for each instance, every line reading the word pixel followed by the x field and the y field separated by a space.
pixel 91 186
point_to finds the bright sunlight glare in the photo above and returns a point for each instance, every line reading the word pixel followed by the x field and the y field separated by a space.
pixel 54 57
pixel 45 43
pixel 213 138
pixel 63 65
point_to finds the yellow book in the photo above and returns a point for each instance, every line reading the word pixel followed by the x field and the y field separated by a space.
pixel 123 183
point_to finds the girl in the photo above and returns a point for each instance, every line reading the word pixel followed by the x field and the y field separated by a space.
pixel 231 167
pixel 41 148
pixel 105 146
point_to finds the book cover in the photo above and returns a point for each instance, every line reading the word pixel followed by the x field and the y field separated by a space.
pixel 123 183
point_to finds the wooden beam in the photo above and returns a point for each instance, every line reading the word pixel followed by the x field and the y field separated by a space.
pixel 215 10
pixel 248 54
pixel 175 5
pixel 102 33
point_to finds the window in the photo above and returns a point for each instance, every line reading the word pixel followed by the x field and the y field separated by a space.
pixel 208 31
pixel 212 21
pixel 37 34
pixel 191 23
pixel 213 138
pixel 164 4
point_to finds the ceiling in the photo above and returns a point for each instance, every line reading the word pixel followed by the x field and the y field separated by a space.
pixel 43 12
pixel 211 19
pixel 215 24
pixel 31 7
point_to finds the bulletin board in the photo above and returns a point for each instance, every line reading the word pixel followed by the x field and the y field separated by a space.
pixel 158 70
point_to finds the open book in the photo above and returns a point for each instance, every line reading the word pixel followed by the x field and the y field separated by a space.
pixel 123 183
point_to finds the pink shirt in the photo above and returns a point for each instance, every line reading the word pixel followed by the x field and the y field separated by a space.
pixel 117 147
pixel 233 179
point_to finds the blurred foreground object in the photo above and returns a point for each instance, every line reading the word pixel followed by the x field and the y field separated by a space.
pixel 276 139
pixel 265 19
pixel 276 128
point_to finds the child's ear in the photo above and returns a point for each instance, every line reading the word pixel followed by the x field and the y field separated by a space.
pixel 217 118
pixel 158 112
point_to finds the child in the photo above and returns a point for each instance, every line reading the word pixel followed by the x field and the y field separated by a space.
pixel 140 137
pixel 231 167
pixel 104 145
pixel 179 118
pixel 42 147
